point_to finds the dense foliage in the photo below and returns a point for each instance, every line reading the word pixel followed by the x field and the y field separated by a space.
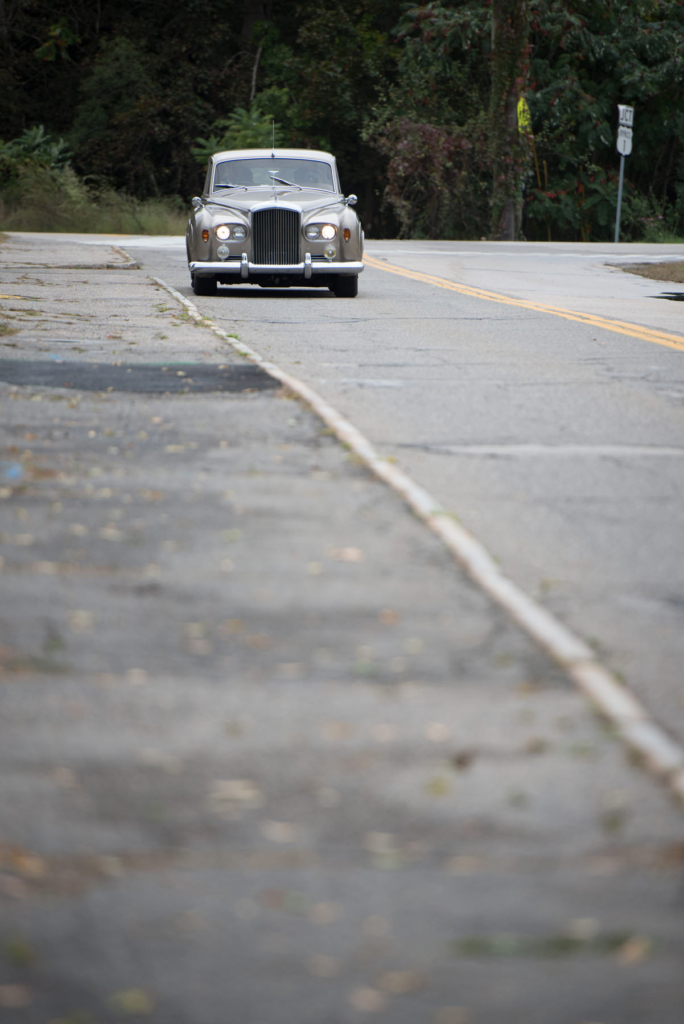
pixel 417 100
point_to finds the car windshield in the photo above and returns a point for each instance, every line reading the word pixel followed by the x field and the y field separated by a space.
pixel 262 170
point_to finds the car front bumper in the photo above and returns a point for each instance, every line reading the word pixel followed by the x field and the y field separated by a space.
pixel 244 269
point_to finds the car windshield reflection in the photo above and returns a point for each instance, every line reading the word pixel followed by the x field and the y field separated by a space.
pixel 259 171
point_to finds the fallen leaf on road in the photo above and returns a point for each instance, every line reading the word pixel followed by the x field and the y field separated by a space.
pixel 80 620
pixel 346 554
pixel 337 730
pixel 133 1001
pixel 243 791
pixel 584 928
pixel 290 669
pixel 324 913
pixel 19 952
pixel 438 786
pixel 195 630
pixel 380 842
pixel 463 759
pixel 65 777
pixel 258 641
pixel 15 997
pixel 453 1015
pixel 376 927
pixel 388 617
pixel 368 1000
pixel 13 887
pixel 234 728
pixel 322 966
pixel 46 568
pixel 137 676
pixel 635 949
pixel 401 982
pixel 279 831
pixel 200 647
pixel 110 533
pixel 111 866
pixel 384 733
pixel 231 627
pixel 463 865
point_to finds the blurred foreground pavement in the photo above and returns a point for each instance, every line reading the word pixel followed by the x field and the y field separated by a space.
pixel 266 756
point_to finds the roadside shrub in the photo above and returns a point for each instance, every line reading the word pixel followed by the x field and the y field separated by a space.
pixel 40 191
pixel 59 200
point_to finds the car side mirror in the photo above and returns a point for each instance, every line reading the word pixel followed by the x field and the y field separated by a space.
pixel 351 200
pixel 196 202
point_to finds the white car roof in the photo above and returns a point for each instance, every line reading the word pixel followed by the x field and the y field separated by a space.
pixel 297 154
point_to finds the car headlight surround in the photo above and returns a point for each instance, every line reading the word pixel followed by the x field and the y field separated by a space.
pixel 315 232
pixel 236 232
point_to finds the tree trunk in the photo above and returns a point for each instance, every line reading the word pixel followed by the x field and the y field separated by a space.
pixel 253 11
pixel 508 151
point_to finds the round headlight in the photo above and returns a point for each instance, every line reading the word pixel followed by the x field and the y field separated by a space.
pixel 239 231
pixel 328 231
pixel 223 232
pixel 312 232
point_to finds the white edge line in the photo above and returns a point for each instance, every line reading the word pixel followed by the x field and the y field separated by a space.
pixel 660 754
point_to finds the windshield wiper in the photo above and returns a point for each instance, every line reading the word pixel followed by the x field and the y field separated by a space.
pixel 281 181
pixel 224 188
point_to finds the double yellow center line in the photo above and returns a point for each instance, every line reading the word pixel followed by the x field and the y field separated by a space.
pixel 617 326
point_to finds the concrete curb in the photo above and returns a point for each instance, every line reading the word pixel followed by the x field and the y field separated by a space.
pixel 655 749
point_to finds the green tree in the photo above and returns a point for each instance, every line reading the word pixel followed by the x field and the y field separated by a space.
pixel 256 128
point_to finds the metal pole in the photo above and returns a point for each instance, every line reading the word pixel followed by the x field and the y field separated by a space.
pixel 619 202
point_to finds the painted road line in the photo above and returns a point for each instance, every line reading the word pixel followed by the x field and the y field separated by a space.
pixel 661 754
pixel 553 451
pixel 675 341
pixel 531 254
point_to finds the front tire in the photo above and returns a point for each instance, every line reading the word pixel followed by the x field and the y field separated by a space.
pixel 346 286
pixel 203 285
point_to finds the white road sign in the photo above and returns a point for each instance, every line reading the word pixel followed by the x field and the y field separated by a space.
pixel 624 140
pixel 626 115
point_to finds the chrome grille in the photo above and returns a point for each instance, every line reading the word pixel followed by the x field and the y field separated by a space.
pixel 275 236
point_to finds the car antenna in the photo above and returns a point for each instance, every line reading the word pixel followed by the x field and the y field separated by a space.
pixel 273 146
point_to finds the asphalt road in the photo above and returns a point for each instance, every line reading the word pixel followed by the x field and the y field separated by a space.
pixel 559 443
pixel 267 755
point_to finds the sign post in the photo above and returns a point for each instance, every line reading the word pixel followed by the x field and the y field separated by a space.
pixel 624 148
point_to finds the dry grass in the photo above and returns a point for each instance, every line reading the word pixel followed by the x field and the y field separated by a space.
pixel 60 201
pixel 673 271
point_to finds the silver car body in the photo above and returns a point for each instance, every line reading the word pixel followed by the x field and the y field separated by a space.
pixel 275 218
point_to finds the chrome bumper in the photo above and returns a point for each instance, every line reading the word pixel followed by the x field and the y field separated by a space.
pixel 245 269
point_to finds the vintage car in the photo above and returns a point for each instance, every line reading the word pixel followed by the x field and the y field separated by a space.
pixel 276 218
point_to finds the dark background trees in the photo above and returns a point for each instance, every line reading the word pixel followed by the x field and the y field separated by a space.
pixel 417 101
